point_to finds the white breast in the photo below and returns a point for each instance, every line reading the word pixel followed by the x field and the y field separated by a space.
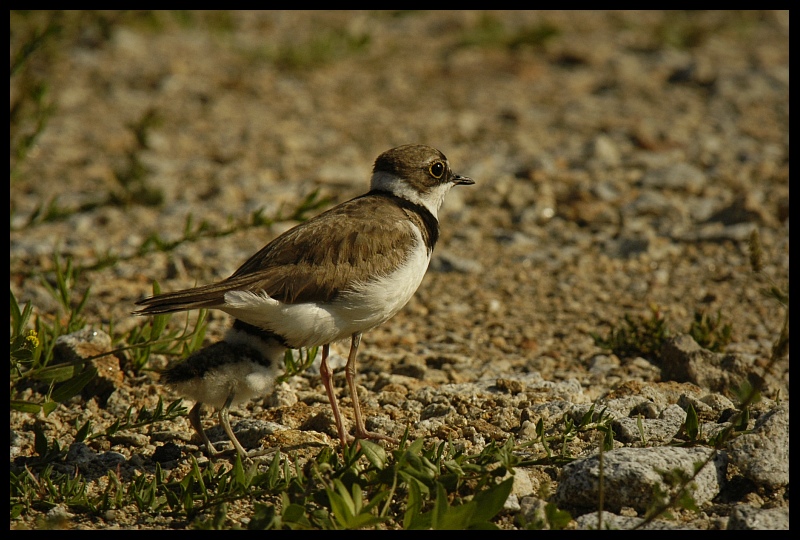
pixel 376 301
pixel 363 307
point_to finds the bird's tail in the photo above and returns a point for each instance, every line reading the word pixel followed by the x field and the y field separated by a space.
pixel 209 296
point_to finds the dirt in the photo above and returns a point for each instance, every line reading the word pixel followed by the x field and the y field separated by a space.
pixel 621 161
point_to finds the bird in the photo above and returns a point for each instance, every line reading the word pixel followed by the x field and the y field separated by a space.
pixel 224 374
pixel 332 277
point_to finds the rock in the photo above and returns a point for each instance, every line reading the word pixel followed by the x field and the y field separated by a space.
pixel 81 346
pixel 167 452
pixel 683 360
pixel 743 209
pixel 662 429
pixel 763 454
pixel 435 410
pixel 678 176
pixel 632 476
pixel 605 151
pixel 282 396
pixel 532 512
pixel 445 261
pixel 613 521
pixel 249 431
pixel 748 518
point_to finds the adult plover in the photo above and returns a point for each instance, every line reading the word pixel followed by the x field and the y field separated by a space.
pixel 332 277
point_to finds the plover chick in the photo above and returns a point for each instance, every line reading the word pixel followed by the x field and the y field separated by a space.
pixel 225 374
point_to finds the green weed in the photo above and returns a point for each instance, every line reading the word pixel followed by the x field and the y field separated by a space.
pixel 644 336
pixel 491 32
pixel 637 336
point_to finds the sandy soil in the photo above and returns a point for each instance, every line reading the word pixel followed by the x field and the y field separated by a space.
pixel 621 160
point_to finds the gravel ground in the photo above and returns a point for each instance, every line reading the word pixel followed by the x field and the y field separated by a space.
pixel 621 161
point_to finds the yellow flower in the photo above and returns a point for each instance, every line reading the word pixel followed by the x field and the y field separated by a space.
pixel 32 339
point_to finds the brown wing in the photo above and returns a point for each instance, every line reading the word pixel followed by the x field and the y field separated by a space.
pixel 313 261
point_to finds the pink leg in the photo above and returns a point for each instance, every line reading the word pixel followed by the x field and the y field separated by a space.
pixel 350 374
pixel 327 381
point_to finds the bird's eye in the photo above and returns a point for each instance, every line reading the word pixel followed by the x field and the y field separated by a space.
pixel 437 169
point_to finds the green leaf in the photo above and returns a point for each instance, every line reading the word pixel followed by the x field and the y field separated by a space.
pixel 413 518
pixel 25 406
pixel 608 439
pixel 49 406
pixel 412 464
pixel 57 373
pixel 415 447
pixel 21 354
pixel 364 520
pixel 294 515
pixel 686 501
pixel 342 504
pixel 199 333
pixel 374 453
pixel 456 517
pixel 39 440
pixel 274 472
pixel 159 324
pixel 348 508
pixel 198 476
pixel 19 319
pixel 587 416
pixel 188 499
pixel 744 420
pixel 454 468
pixel 220 515
pixel 16 510
pixel 263 518
pixel 74 386
pixel 440 507
pixel 84 431
pixel 557 519
pixel 490 501
pixel 238 471
pixel 692 424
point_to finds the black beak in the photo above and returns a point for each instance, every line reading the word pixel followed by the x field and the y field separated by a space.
pixel 463 180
